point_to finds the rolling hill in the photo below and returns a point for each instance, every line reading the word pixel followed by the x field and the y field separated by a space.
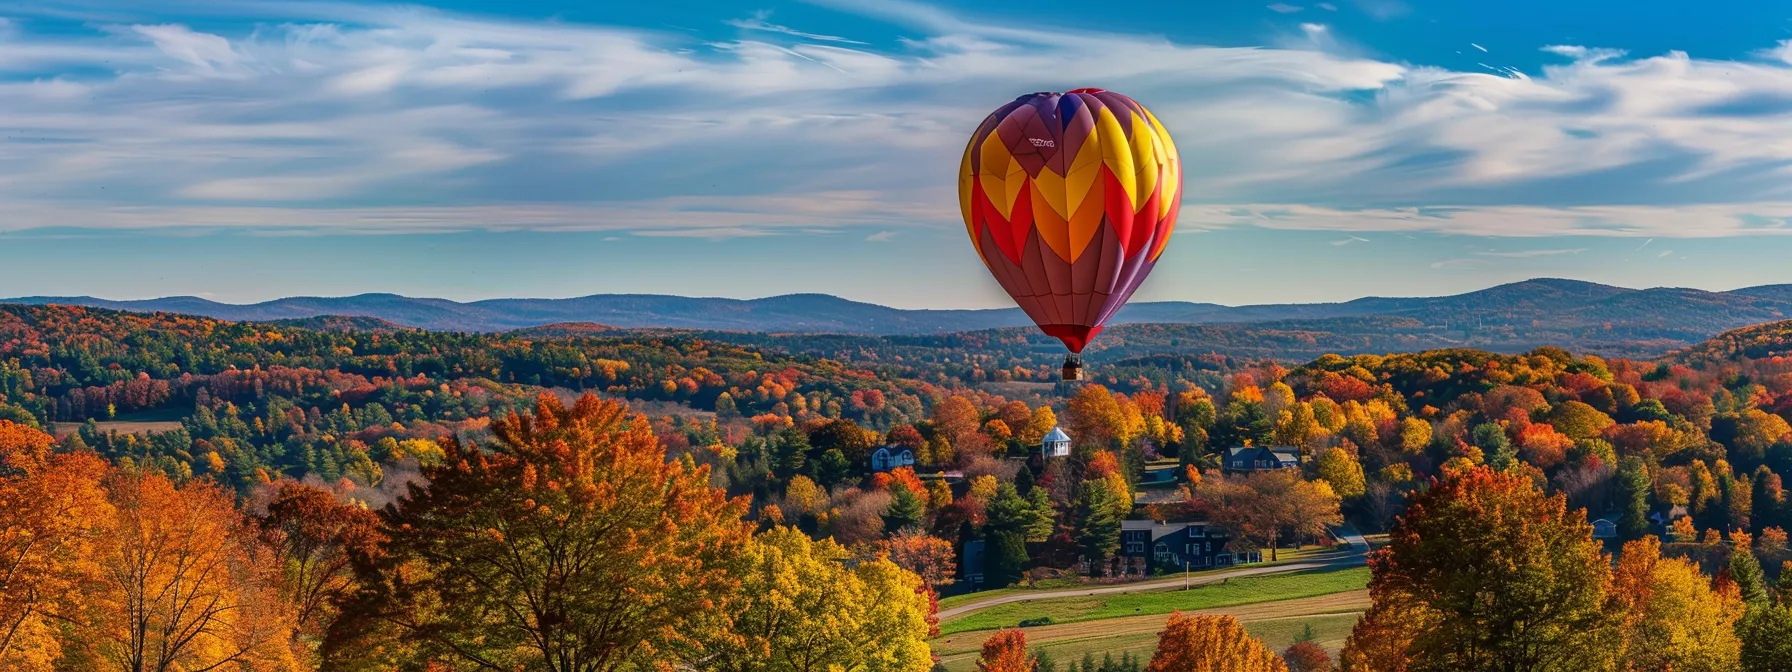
pixel 1513 317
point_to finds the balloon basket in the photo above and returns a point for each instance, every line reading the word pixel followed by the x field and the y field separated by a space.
pixel 1073 368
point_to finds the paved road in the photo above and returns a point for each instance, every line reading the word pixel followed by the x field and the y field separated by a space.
pixel 1355 556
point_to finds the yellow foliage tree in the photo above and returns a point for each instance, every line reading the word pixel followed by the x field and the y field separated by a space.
pixel 1342 470
pixel 804 496
pixel 1670 618
pixel 803 608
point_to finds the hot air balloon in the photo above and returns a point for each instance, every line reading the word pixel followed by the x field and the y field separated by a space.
pixel 1069 199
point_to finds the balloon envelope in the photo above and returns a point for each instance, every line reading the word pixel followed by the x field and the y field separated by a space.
pixel 1069 199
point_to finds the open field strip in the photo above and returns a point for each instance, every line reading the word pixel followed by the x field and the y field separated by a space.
pixel 1229 591
pixel 1278 623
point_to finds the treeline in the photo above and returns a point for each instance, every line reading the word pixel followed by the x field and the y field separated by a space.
pixel 570 543
pixel 1486 572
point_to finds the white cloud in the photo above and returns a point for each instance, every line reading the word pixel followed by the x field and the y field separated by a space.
pixel 759 23
pixel 355 116
pixel 1285 8
pixel 1687 221
pixel 880 237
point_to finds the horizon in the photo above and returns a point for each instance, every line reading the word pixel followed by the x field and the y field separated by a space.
pixel 41 297
pixel 469 149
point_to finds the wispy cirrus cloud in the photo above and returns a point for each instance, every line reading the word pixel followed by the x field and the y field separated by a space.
pixel 758 22
pixel 399 118
pixel 1527 254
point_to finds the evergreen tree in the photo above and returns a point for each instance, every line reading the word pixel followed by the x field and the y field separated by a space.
pixel 1044 515
pixel 1023 481
pixel 1736 498
pixel 1766 634
pixel 1745 570
pixel 1633 486
pixel 1005 557
pixel 905 510
pixel 1492 441
pixel 1097 525
pixel 831 468
pixel 790 454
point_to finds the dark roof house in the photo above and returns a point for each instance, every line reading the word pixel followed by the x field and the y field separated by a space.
pixel 892 457
pixel 1175 546
pixel 1260 458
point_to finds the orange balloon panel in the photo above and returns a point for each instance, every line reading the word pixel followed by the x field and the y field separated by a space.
pixel 1070 198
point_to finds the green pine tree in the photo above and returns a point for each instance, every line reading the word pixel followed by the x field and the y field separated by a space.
pixel 1633 499
pixel 1005 557
pixel 1097 525
pixel 1766 634
pixel 905 510
pixel 1745 570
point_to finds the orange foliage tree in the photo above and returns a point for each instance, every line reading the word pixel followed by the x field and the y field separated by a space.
pixel 1211 644
pixel 574 544
pixel 184 583
pixel 1484 572
pixel 320 537
pixel 49 507
pixel 1006 651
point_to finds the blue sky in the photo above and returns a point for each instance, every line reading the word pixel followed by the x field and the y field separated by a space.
pixel 470 149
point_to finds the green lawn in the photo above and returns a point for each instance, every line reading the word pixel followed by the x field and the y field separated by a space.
pixel 1329 631
pixel 1244 590
pixel 1285 556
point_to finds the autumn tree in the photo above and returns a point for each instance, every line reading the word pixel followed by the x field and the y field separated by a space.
pixel 50 506
pixel 572 545
pixel 929 557
pixel 1210 644
pixel 1306 656
pixel 320 538
pixel 1342 470
pixel 802 608
pixel 955 419
pixel 846 436
pixel 1095 417
pixel 1312 510
pixel 1484 572
pixel 184 583
pixel 1258 508
pixel 1006 651
pixel 1668 615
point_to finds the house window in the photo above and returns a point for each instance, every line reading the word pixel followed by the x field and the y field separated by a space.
pixel 1209 547
pixel 1162 551
pixel 1197 531
pixel 1135 547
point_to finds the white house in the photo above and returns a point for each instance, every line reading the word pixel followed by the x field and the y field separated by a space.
pixel 892 457
pixel 1056 444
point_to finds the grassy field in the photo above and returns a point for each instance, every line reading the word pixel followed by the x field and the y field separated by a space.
pixel 1233 592
pixel 159 420
pixel 1286 556
pixel 1277 623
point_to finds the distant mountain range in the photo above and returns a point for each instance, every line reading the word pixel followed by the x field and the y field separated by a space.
pixel 1681 314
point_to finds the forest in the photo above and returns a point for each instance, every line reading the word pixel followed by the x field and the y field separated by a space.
pixel 184 493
